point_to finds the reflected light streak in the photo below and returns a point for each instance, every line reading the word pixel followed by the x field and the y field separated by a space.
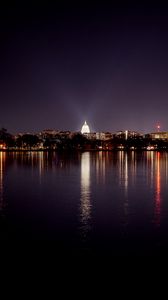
pixel 150 165
pixel 120 167
pixel 123 170
pixel 152 159
pixel 126 184
pixel 158 194
pixel 85 206
pixel 133 166
pixel 123 178
pixel 2 159
pixel 41 164
pixel 126 173
pixel 100 166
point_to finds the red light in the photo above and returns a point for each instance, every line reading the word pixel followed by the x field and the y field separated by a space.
pixel 158 127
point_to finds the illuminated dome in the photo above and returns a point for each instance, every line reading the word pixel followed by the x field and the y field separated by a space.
pixel 85 128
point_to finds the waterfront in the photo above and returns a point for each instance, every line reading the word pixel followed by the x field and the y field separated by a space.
pixel 111 203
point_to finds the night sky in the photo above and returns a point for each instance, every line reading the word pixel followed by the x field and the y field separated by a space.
pixel 62 64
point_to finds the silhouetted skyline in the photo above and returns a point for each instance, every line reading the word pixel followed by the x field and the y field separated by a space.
pixel 64 64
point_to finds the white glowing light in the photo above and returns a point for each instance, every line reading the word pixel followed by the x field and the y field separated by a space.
pixel 85 128
pixel 126 134
pixel 150 148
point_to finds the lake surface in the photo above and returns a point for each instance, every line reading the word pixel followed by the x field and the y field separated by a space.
pixel 112 203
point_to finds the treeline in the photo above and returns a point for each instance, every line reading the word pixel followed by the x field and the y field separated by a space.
pixel 77 141
pixel 36 142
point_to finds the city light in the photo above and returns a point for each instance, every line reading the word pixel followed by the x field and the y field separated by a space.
pixel 158 127
pixel 85 128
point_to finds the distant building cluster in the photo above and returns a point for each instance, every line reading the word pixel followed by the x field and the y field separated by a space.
pixel 159 135
pixel 85 139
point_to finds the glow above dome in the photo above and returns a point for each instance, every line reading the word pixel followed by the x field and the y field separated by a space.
pixel 85 128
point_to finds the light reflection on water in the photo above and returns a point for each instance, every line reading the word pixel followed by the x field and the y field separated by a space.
pixel 101 160
pixel 85 205
pixel 158 192
pixel 123 170
pixel 2 170
pixel 109 189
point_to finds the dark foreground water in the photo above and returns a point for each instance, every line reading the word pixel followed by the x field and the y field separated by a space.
pixel 92 202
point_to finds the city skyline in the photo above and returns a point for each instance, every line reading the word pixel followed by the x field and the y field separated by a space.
pixel 63 64
pixel 87 129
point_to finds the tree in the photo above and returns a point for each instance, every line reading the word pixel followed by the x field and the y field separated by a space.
pixel 27 140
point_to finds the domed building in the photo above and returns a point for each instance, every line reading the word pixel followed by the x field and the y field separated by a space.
pixel 85 128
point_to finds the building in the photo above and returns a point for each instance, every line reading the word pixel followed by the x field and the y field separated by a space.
pixel 159 135
pixel 48 133
pixel 103 136
pixel 128 134
pixel 85 128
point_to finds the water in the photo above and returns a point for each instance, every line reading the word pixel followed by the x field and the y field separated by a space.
pixel 112 203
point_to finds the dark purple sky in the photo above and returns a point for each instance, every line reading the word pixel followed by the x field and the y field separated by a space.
pixel 60 65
